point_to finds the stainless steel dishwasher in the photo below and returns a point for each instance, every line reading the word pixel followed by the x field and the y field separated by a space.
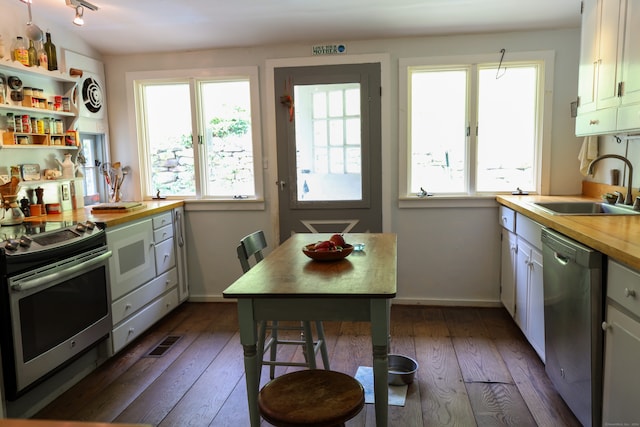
pixel 573 313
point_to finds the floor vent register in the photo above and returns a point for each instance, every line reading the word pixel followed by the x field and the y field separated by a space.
pixel 164 346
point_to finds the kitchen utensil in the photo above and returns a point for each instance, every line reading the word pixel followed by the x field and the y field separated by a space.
pixel 33 31
pixel 11 213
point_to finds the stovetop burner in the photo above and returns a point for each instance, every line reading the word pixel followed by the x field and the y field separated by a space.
pixel 30 228
pixel 37 236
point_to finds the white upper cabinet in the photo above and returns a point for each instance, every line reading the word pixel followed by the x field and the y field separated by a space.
pixel 610 45
pixel 588 73
pixel 609 74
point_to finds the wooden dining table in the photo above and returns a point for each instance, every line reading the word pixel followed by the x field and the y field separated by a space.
pixel 287 285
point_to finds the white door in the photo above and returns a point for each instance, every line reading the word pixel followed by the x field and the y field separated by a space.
pixel 329 148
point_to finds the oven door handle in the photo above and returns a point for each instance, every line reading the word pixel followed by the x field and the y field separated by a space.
pixel 45 280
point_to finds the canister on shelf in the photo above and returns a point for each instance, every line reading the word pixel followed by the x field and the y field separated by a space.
pixel 40 126
pixel 34 125
pixel 27 91
pixel 18 123
pixel 47 124
pixel 59 127
pixel 26 123
pixel 66 104
pixel 11 123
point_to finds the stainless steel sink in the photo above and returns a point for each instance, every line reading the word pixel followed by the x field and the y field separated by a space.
pixel 585 208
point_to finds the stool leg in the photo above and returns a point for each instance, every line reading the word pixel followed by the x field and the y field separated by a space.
pixel 323 345
pixel 310 355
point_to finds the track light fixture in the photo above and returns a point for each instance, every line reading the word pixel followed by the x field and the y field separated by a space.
pixel 83 3
pixel 80 6
pixel 79 20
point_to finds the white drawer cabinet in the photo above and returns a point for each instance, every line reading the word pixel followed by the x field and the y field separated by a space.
pixel 622 346
pixel 141 321
pixel 521 285
pixel 145 280
pixel 165 256
pixel 134 301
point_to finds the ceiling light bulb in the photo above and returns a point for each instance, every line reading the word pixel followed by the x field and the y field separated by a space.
pixel 78 20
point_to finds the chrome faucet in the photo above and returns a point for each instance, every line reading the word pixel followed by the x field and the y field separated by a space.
pixel 629 198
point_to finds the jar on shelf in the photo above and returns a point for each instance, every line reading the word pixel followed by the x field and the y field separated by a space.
pixel 59 126
pixel 17 123
pixel 26 123
pixel 27 91
pixel 66 104
pixel 11 123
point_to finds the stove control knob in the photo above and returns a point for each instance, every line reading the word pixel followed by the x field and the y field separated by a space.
pixel 81 227
pixel 11 245
pixel 25 241
pixel 90 225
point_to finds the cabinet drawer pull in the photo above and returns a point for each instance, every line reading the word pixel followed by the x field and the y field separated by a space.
pixel 605 326
pixel 629 293
pixel 594 122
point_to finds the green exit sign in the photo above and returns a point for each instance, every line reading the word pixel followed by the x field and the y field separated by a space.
pixel 329 49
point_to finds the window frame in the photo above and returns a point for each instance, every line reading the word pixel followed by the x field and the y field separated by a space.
pixel 194 77
pixel 545 59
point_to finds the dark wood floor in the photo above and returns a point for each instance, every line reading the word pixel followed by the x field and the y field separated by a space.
pixel 476 368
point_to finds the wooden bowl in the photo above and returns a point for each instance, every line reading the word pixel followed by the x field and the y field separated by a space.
pixel 334 255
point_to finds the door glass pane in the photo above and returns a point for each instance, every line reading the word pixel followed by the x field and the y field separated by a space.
pixel 438 130
pixel 328 143
pixel 168 128
pixel 507 129
pixel 226 109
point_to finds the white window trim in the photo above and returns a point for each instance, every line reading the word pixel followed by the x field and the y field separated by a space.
pixel 132 80
pixel 480 199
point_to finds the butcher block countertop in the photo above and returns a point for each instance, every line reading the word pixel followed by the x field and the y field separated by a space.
pixel 111 218
pixel 617 236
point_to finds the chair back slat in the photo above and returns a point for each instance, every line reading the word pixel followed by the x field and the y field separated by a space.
pixel 251 246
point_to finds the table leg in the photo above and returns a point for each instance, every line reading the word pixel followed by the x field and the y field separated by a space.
pixel 380 314
pixel 248 338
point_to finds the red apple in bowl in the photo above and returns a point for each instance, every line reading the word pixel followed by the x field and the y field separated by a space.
pixel 326 245
pixel 338 240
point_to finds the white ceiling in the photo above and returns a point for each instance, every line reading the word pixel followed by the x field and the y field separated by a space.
pixel 133 26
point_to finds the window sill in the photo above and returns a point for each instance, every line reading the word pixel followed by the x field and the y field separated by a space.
pixel 439 202
pixel 224 205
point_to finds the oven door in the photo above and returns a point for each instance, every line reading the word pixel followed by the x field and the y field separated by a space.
pixel 57 312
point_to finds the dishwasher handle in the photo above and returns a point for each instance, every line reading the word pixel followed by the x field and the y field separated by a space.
pixel 564 260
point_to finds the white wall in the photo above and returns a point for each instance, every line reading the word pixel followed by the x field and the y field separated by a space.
pixel 446 255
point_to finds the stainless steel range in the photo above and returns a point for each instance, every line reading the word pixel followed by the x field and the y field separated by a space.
pixel 54 300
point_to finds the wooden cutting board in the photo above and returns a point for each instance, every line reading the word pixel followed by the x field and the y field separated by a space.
pixel 121 207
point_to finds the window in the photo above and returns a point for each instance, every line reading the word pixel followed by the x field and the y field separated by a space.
pixel 328 145
pixel 471 129
pixel 200 135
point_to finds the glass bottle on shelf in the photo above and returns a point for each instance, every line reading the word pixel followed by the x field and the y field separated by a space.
pixel 1 47
pixel 43 59
pixel 19 51
pixel 50 49
pixel 33 55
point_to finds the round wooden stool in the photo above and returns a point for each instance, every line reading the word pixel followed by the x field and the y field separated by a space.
pixel 313 397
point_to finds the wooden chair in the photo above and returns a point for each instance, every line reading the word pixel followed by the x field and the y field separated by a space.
pixel 252 246
pixel 313 397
